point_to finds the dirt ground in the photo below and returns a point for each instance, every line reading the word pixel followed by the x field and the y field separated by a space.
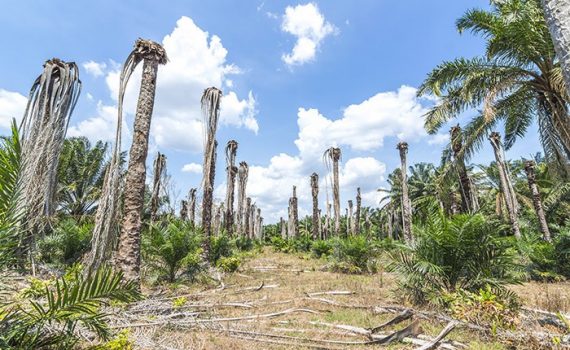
pixel 287 301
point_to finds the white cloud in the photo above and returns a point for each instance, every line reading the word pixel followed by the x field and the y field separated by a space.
pixel 197 60
pixel 100 127
pixel 12 105
pixel 438 139
pixel 96 69
pixel 194 168
pixel 309 26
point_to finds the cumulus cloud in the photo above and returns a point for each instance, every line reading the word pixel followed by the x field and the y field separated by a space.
pixel 96 69
pixel 193 168
pixel 197 60
pixel 309 27
pixel 12 105
pixel 438 139
pixel 102 126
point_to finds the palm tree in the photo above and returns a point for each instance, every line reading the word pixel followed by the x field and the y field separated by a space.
pixel 518 81
pixel 293 215
pixel 128 255
pixel 315 195
pixel 406 204
pixel 246 217
pixel 211 111
pixel 529 168
pixel 333 154
pixel 283 228
pixel 349 223
pixel 231 169
pixel 158 175
pixel 557 14
pixel 81 173
pixel 52 99
pixel 506 184
pixel 390 213
pixel 243 173
pixel 357 212
pixel 184 210
pixel 468 195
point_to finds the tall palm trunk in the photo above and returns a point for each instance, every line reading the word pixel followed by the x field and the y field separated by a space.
pixel 406 203
pixel 51 102
pixel 557 14
pixel 357 212
pixel 328 221
pixel 217 228
pixel 469 202
pixel 293 215
pixel 283 228
pixel 506 185
pixel 246 217
pixel 349 222
pixel 243 173
pixel 334 155
pixel 315 194
pixel 211 112
pixel 184 210
pixel 192 206
pixel 128 254
pixel 231 169
pixel 258 220
pixel 367 223
pixel 158 175
pixel 529 166
pixel 252 221
pixel 320 223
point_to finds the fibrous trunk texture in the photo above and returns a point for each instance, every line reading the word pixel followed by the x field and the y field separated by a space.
pixel 192 206
pixel 42 132
pixel 159 170
pixel 357 212
pixel 243 172
pixel 211 112
pixel 406 203
pixel 557 14
pixel 506 185
pixel 293 215
pixel 283 228
pixel 469 202
pixel 529 168
pixel 349 222
pixel 315 193
pixel 335 154
pixel 231 169
pixel 246 215
pixel 217 228
pixel 328 221
pixel 128 254
pixel 184 210
pixel 252 221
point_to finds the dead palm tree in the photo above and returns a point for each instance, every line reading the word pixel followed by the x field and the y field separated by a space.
pixel 357 212
pixel 557 14
pixel 349 223
pixel 51 101
pixel 328 221
pixel 184 210
pixel 243 173
pixel 231 169
pixel 192 206
pixel 315 194
pixel 293 215
pixel 246 217
pixel 333 154
pixel 159 172
pixel 217 228
pixel 211 111
pixel 128 255
pixel 283 228
pixel 252 221
pixel 529 168
pixel 468 196
pixel 406 203
pixel 506 184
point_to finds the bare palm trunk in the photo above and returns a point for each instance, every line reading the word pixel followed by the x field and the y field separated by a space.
pixel 557 14
pixel 315 194
pixel 231 169
pixel 536 200
pixel 357 213
pixel 349 223
pixel 506 185
pixel 252 221
pixel 469 200
pixel 128 254
pixel 336 190
pixel 192 206
pixel 367 223
pixel 246 214
pixel 406 204
pixel 211 112
pixel 283 228
pixel 293 215
pixel 184 210
pixel 217 228
pixel 258 220
pixel 328 221
pixel 243 173
pixel 320 223
pixel 158 175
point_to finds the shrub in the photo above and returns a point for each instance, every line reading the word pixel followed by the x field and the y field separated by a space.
pixel 280 245
pixel 172 248
pixel 450 254
pixel 353 255
pixel 229 264
pixel 67 243
pixel 119 342
pixel 220 246
pixel 244 243
pixel 302 243
pixel 321 248
pixel 546 261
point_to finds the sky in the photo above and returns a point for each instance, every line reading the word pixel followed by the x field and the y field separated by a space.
pixel 297 78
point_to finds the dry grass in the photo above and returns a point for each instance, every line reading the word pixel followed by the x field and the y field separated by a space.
pixel 287 279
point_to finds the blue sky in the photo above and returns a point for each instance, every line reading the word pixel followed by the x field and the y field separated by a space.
pixel 297 77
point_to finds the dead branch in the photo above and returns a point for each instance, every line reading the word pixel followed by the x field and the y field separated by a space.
pixel 450 326
pixel 406 314
pixel 332 292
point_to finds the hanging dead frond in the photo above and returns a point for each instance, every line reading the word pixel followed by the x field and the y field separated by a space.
pixel 51 102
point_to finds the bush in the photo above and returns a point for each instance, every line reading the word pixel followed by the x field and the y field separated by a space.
pixel 67 243
pixel 172 248
pixel 244 243
pixel 220 246
pixel 451 254
pixel 321 248
pixel 281 245
pixel 353 255
pixel 546 261
pixel 229 264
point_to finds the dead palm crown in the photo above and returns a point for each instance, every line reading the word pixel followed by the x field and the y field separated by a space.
pixel 211 111
pixel 333 155
pixel 52 98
